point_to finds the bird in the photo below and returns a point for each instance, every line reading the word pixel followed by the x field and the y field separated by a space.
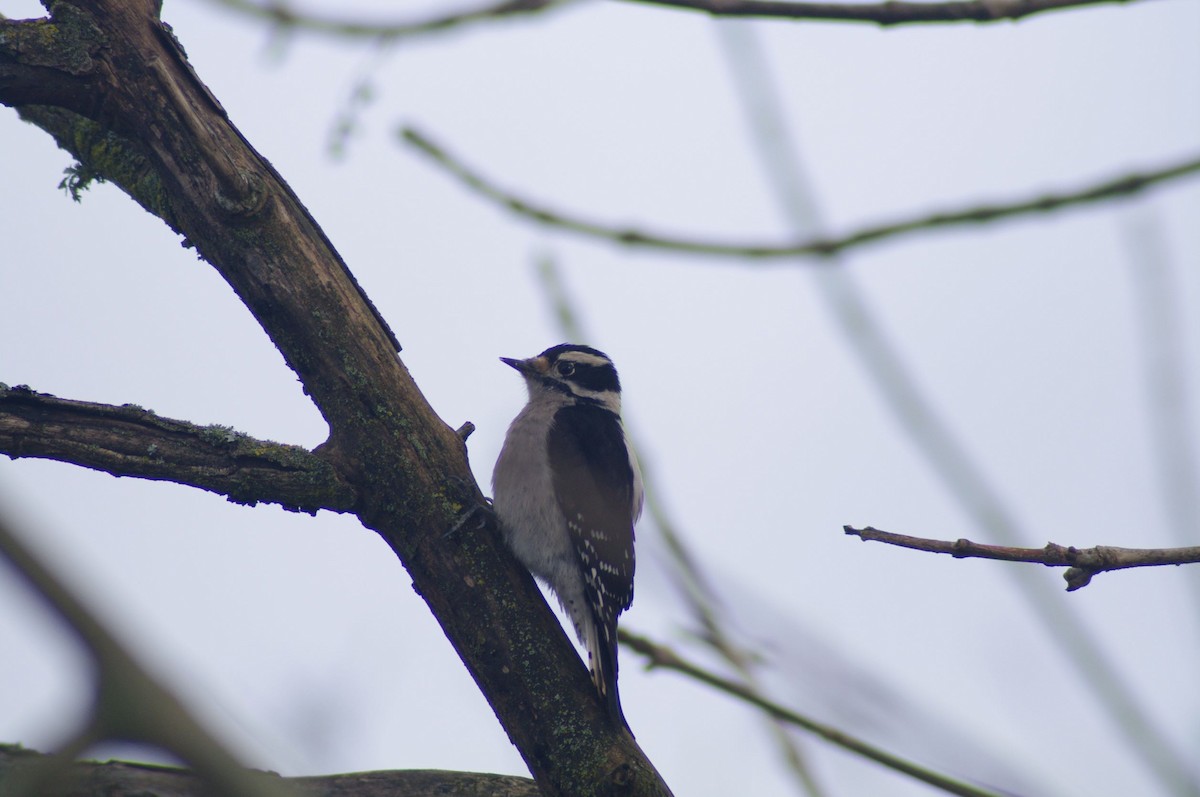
pixel 567 492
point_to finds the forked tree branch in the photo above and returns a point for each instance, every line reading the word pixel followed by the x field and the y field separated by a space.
pixel 1111 188
pixel 1081 563
pixel 131 441
pixel 116 64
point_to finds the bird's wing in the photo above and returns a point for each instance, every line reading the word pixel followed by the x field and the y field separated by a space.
pixel 593 482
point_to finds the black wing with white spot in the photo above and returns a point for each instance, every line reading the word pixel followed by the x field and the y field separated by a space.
pixel 593 482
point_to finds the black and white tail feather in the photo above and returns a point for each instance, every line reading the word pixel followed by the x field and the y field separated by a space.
pixel 567 491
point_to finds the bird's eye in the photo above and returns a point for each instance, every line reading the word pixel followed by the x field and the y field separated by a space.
pixel 566 369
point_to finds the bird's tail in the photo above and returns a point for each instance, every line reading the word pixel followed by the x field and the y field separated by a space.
pixel 603 660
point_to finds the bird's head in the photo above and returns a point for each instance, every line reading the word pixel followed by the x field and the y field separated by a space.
pixel 580 373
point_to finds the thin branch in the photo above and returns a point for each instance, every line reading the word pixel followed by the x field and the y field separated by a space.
pixel 892 12
pixel 1112 188
pixel 662 656
pixel 285 16
pixel 1083 563
pixel 131 441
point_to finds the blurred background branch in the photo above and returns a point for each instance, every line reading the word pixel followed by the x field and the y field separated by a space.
pixel 893 12
pixel 657 655
pixel 130 704
pixel 1161 325
pixel 286 17
pixel 811 245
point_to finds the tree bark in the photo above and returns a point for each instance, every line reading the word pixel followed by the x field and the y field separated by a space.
pixel 114 87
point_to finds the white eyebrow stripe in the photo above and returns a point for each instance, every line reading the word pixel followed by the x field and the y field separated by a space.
pixel 583 358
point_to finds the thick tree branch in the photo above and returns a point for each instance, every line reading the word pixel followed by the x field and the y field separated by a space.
pixel 49 61
pixel 131 441
pixel 1082 563
pixel 661 656
pixel 123 779
pixel 891 12
pixel 1112 188
pixel 408 469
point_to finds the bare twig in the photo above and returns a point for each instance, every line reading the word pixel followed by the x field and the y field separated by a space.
pixel 1082 563
pixel 285 16
pixel 661 656
pixel 893 12
pixel 821 246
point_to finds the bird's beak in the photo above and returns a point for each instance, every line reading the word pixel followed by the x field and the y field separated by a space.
pixel 534 366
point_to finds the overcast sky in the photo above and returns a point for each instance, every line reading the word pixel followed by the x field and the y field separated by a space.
pixel 300 638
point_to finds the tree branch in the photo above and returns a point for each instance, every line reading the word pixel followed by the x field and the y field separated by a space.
pixel 1082 563
pixel 1113 188
pixel 662 656
pixel 131 441
pixel 408 469
pixel 892 12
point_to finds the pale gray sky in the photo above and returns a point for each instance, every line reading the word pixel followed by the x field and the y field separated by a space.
pixel 300 639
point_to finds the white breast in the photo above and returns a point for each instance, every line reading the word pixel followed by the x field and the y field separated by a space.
pixel 524 500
